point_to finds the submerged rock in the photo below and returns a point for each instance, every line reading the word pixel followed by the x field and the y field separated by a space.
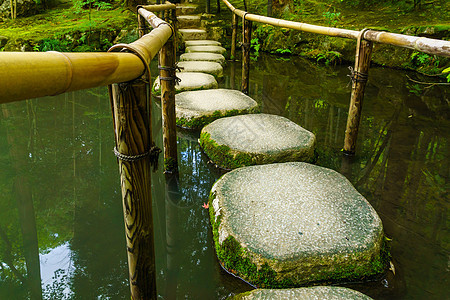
pixel 313 293
pixel 256 139
pixel 190 81
pixel 195 109
pixel 289 224
pixel 208 67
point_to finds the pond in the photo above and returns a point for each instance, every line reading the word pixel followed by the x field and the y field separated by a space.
pixel 61 215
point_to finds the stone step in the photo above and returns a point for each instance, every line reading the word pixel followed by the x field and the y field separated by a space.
pixel 315 292
pixel 197 108
pixel 202 43
pixel 190 81
pixel 189 21
pixel 290 224
pixel 207 67
pixel 186 9
pixel 211 49
pixel 256 140
pixel 203 56
pixel 193 34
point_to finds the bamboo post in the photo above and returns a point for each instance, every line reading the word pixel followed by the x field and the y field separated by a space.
pixel 234 26
pixel 134 151
pixel 359 78
pixel 247 35
pixel 167 78
pixel 174 24
pixel 208 6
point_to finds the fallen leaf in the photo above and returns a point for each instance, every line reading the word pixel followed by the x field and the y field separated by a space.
pixel 205 205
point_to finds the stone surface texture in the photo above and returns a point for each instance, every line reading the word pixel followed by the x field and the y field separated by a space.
pixel 289 224
pixel 211 49
pixel 190 81
pixel 193 34
pixel 189 21
pixel 203 56
pixel 307 293
pixel 195 109
pixel 202 43
pixel 256 139
pixel 208 67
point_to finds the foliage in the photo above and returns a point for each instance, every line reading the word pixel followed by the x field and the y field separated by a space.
pixel 255 46
pixel 331 18
pixel 447 71
pixel 79 5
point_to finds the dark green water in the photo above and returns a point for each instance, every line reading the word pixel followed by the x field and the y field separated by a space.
pixel 61 216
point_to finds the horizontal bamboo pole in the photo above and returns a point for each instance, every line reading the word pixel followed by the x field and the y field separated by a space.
pixel 25 75
pixel 430 46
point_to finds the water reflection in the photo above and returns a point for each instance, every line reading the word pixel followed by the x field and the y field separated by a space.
pixel 61 221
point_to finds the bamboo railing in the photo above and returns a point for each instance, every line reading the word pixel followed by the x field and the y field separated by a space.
pixel 365 39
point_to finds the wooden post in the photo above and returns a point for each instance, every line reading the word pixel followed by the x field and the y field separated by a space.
pixel 234 26
pixel 359 78
pixel 208 6
pixel 174 24
pixel 218 6
pixel 247 36
pixel 167 77
pixel 134 150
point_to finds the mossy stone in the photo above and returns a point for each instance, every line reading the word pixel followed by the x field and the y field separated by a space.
pixel 255 140
pixel 289 224
pixel 195 109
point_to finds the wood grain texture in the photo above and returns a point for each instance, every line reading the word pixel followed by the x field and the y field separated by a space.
pixel 132 122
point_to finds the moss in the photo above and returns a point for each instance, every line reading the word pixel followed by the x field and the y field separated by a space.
pixel 199 122
pixel 170 165
pixel 234 258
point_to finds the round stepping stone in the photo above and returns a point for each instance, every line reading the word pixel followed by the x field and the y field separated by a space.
pixel 208 67
pixel 202 43
pixel 210 49
pixel 255 140
pixel 189 21
pixel 315 292
pixel 195 109
pixel 193 34
pixel 288 224
pixel 190 81
pixel 203 56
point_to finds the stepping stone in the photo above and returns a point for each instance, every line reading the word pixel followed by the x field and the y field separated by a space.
pixel 315 292
pixel 255 140
pixel 189 21
pixel 290 224
pixel 190 81
pixel 208 67
pixel 186 9
pixel 202 43
pixel 211 49
pixel 203 56
pixel 197 108
pixel 193 34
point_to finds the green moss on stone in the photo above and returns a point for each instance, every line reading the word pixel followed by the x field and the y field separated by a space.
pixel 237 260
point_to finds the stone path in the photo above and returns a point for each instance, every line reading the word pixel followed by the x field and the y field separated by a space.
pixel 275 225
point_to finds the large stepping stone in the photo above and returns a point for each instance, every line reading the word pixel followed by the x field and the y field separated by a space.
pixel 206 48
pixel 193 34
pixel 288 224
pixel 255 140
pixel 189 21
pixel 307 293
pixel 203 56
pixel 202 43
pixel 190 81
pixel 197 108
pixel 186 9
pixel 208 67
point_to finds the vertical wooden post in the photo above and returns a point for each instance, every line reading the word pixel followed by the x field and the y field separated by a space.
pixel 167 77
pixel 359 78
pixel 247 36
pixel 208 6
pixel 218 6
pixel 174 24
pixel 135 154
pixel 234 26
